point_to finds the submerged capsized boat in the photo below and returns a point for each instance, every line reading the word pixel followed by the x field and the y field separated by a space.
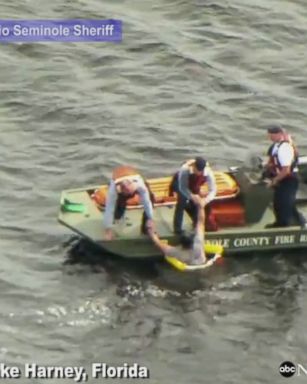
pixel 242 208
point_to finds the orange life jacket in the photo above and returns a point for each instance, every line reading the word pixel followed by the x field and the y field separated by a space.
pixel 123 172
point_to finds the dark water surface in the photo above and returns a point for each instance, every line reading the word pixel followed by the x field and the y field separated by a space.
pixel 190 77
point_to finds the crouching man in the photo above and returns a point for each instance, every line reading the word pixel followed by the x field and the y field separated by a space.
pixel 126 183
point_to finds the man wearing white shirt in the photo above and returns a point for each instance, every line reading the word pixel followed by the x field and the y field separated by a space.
pixel 282 170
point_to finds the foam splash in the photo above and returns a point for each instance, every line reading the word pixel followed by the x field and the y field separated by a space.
pixel 91 312
pixel 139 292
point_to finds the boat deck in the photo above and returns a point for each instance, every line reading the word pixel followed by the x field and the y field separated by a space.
pixel 90 221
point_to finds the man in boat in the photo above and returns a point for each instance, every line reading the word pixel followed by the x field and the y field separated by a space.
pixel 187 183
pixel 282 171
pixel 191 250
pixel 126 183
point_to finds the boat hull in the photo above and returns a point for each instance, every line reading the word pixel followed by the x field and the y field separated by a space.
pixel 241 238
pixel 234 242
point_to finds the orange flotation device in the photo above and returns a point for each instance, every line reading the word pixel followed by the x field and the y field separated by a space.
pixel 226 188
pixel 123 172
pixel 226 207
pixel 119 174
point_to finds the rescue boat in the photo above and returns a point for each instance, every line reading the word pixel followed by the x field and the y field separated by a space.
pixel 242 209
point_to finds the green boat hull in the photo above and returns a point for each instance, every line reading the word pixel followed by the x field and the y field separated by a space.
pixel 80 214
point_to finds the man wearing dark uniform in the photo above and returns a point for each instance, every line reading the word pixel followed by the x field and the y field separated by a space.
pixel 282 171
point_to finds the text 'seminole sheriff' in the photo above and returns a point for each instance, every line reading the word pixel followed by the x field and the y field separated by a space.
pixel 60 30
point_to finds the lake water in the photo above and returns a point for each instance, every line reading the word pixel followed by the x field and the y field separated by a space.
pixel 189 78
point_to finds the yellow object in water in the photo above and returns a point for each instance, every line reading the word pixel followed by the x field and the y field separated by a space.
pixel 215 249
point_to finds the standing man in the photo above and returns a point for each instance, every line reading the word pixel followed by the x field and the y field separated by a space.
pixel 282 171
pixel 187 183
pixel 126 183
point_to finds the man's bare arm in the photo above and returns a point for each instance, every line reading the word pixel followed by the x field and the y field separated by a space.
pixel 200 224
pixel 285 171
pixel 164 248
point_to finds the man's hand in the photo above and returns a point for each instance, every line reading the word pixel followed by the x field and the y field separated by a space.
pixel 108 235
pixel 196 199
pixel 150 232
pixel 203 202
pixel 271 183
pixel 150 225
